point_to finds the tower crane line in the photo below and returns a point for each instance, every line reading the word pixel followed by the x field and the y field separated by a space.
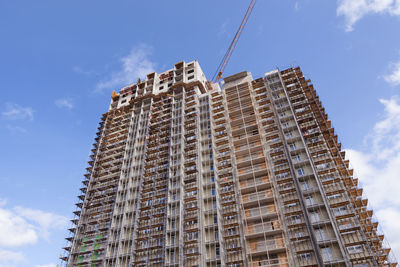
pixel 224 62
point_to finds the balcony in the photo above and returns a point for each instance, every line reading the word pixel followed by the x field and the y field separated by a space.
pixel 279 262
pixel 261 228
pixel 266 211
pixel 257 197
pixel 254 169
pixel 272 245
pixel 251 183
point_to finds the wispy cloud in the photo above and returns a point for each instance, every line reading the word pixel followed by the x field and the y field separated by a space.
pixel 296 6
pixel 7 257
pixel 378 168
pixel 222 30
pixel 14 111
pixel 47 265
pixel 64 103
pixel 394 77
pixel 136 64
pixel 82 71
pixel 354 10
pixel 16 129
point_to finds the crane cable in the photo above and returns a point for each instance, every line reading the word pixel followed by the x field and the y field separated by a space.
pixel 221 67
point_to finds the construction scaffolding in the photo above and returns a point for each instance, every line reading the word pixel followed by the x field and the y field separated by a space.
pixel 184 173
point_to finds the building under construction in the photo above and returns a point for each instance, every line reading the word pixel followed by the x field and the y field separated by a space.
pixel 185 173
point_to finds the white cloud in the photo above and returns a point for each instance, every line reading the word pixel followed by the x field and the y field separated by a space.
pixel 135 65
pixel 3 202
pixel 378 169
pixel 47 265
pixel 43 221
pixel 394 77
pixel 16 112
pixel 24 226
pixel 354 10
pixel 15 230
pixel 7 256
pixel 64 103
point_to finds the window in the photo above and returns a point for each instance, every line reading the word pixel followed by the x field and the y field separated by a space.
pixel 326 254
pixel 215 218
pixel 305 186
pixel 327 178
pixel 355 249
pixel 294 204
pixel 320 233
pixel 292 146
pixel 193 235
pixel 287 186
pixel 192 222
pixel 323 166
pixel 289 134
pixel 340 211
pixel 305 256
pixel 211 167
pixel 300 171
pixel 213 191
pixel 309 200
pixel 347 224
pixel 314 216
pixel 300 110
pixel 172 239
pixel 296 158
pixel 172 255
pixel 217 251
pixel 361 265
pixel 190 77
pixel 192 250
pixel 331 197
pixel 232 231
pixel 296 219
pixel 299 234
pixel 216 234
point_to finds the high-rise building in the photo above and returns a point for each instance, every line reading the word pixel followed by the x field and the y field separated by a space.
pixel 185 173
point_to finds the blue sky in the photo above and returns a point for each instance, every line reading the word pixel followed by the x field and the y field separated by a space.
pixel 60 60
